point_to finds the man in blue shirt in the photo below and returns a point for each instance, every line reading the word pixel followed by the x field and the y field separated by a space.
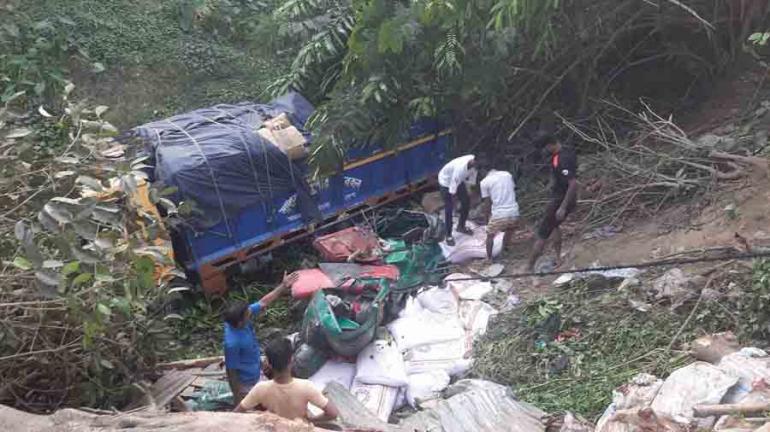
pixel 243 361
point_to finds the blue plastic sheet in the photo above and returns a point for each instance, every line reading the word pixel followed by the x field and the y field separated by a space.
pixel 216 160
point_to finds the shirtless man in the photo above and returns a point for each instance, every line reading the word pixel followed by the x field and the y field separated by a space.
pixel 285 395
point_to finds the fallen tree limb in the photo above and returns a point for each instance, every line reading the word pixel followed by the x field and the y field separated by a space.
pixel 70 420
pixel 192 363
pixel 758 162
pixel 727 409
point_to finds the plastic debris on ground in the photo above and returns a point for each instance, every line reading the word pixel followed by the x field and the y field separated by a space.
pixel 718 396
pixel 469 247
pixel 215 395
pixel 677 287
pixel 750 366
pixel 612 276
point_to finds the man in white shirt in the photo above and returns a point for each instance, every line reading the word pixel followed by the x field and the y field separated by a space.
pixel 498 192
pixel 452 180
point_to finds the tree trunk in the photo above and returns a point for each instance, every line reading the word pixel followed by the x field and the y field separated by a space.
pixel 70 420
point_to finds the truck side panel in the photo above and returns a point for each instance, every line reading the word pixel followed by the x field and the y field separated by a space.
pixel 374 180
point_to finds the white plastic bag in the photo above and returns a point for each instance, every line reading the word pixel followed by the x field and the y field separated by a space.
pixel 467 289
pixel 438 300
pixel 378 399
pixel 426 385
pixel 412 307
pixel 694 384
pixel 638 393
pixel 381 362
pixel 425 328
pixel 475 316
pixel 334 370
pixel 749 365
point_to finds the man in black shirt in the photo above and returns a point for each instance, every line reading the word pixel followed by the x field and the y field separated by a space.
pixel 563 201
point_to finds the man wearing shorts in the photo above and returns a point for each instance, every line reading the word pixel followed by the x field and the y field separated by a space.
pixel 563 200
pixel 498 192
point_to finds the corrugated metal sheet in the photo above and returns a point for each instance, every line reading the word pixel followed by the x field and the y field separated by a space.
pixel 483 407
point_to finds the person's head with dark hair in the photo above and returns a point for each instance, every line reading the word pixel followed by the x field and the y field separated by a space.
pixel 548 141
pixel 237 314
pixel 482 162
pixel 279 353
pixel 499 164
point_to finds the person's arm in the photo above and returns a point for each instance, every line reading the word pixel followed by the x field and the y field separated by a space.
pixel 486 208
pixel 330 411
pixel 454 183
pixel 278 291
pixel 486 199
pixel 250 401
pixel 568 198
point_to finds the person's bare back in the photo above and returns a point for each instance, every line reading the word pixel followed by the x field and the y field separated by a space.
pixel 288 400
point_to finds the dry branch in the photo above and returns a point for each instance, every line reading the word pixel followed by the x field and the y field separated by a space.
pixel 728 409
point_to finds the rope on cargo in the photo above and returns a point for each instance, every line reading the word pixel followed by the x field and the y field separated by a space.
pixel 643 265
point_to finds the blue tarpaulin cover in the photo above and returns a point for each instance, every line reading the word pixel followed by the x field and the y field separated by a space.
pixel 215 158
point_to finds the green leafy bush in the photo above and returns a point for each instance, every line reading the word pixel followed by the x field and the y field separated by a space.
pixel 85 318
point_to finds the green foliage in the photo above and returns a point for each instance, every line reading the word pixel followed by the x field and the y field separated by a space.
pixel 759 38
pixel 755 304
pixel 151 66
pixel 96 256
pixel 32 55
pixel 474 61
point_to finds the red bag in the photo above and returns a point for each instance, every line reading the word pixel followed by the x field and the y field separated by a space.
pixel 359 243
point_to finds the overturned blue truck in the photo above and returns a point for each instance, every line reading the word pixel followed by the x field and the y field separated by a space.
pixel 245 196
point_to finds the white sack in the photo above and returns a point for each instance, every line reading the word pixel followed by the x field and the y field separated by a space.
pixel 425 386
pixel 450 356
pixel 475 316
pixel 412 307
pixel 749 365
pixel 438 300
pixel 467 289
pixel 637 393
pixel 381 362
pixel 334 370
pixel 425 328
pixel 695 384
pixel 378 399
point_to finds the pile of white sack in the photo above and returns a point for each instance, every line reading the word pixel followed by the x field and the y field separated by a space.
pixel 730 392
pixel 425 347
